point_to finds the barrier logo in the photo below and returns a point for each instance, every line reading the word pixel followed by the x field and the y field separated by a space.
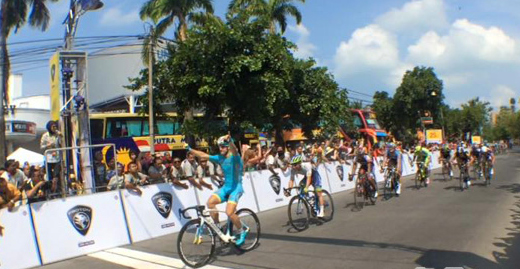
pixel 275 182
pixel 163 203
pixel 80 217
pixel 339 170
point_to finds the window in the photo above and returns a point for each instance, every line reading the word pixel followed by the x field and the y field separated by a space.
pixel 162 127
pixel 357 121
pixel 123 127
pixel 96 128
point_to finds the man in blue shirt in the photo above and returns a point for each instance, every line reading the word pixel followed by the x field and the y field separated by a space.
pixel 232 167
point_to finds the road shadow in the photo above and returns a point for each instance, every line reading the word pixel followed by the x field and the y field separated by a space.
pixel 429 258
pixel 512 188
pixel 509 257
pixel 454 188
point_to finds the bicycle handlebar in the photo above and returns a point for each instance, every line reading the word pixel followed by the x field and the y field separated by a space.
pixel 198 208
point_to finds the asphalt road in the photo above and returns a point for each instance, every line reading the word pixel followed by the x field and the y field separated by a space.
pixel 437 227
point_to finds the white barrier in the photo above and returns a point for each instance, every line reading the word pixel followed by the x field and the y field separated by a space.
pixel 338 177
pixel 156 211
pixel 75 226
pixel 269 188
pixel 248 199
pixel 18 247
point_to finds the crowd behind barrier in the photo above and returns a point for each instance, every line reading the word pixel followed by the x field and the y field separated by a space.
pixel 49 231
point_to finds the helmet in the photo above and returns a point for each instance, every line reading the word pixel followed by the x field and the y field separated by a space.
pixel 297 159
pixel 223 141
pixel 418 148
pixel 390 145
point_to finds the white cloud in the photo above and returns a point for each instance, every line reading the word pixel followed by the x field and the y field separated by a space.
pixel 114 17
pixel 305 48
pixel 369 48
pixel 500 95
pixel 415 17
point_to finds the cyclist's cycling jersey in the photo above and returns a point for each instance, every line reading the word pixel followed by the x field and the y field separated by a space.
pixel 308 172
pixel 475 152
pixel 232 168
pixel 488 155
pixel 446 153
pixel 462 154
pixel 422 155
pixel 393 158
pixel 363 161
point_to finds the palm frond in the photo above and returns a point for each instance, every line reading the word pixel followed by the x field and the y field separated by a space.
pixel 39 16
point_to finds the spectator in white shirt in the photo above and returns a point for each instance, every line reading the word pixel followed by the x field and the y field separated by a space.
pixel 14 175
pixel 208 169
pixel 189 168
pixel 176 173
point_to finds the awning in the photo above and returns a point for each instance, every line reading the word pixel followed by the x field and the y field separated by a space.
pixel 23 155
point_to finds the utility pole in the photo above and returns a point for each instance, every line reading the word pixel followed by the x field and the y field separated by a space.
pixel 150 93
pixel 4 82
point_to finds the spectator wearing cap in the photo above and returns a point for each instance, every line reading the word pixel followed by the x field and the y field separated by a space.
pixel 14 175
pixel 176 173
pixel 157 172
pixel 52 140
pixel 189 168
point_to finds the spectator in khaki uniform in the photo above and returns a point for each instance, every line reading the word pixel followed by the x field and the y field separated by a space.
pixel 9 194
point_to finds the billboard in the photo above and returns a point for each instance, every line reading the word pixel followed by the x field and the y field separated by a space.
pixel 434 136
pixel 55 72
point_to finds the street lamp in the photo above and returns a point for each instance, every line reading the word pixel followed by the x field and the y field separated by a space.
pixel 77 9
pixel 434 94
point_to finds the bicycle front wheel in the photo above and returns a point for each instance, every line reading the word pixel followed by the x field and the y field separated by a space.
pixel 387 188
pixel 417 180
pixel 328 206
pixel 461 180
pixel 249 221
pixel 196 244
pixel 299 214
pixel 358 195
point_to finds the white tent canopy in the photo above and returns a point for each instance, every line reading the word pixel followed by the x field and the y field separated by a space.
pixel 23 155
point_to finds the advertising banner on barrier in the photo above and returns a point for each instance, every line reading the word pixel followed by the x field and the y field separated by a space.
pixel 247 200
pixel 79 225
pixel 324 177
pixel 338 176
pixel 408 165
pixel 156 211
pixel 18 247
pixel 269 187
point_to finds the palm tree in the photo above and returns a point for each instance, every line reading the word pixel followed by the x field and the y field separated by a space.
pixel 166 12
pixel 275 11
pixel 13 15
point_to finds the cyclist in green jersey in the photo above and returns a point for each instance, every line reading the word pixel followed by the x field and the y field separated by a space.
pixel 422 155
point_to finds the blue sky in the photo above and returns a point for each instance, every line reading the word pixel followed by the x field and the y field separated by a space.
pixel 474 45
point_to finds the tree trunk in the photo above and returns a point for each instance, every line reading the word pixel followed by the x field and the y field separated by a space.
pixel 4 61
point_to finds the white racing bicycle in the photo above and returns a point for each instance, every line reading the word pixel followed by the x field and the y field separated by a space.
pixel 197 239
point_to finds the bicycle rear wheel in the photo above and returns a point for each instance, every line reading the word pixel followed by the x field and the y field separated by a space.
pixel 417 180
pixel 328 206
pixel 196 244
pixel 299 214
pixel 370 191
pixel 249 220
pixel 359 201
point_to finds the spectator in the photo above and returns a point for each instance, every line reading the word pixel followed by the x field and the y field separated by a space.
pixel 189 170
pixel 252 158
pixel 276 160
pixel 14 175
pixel 100 172
pixel 134 178
pixel 157 172
pixel 176 173
pixel 35 187
pixel 146 161
pixel 26 169
pixel 136 159
pixel 9 194
pixel 208 169
pixel 76 186
pixel 167 160
pixel 52 140
pixel 118 180
pixel 111 171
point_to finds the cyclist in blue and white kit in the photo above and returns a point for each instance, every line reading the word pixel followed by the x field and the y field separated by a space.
pixel 394 158
pixel 311 176
pixel 232 167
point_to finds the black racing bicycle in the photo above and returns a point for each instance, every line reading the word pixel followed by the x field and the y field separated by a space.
pixel 464 176
pixel 304 205
pixel 364 191
pixel 421 175
pixel 391 182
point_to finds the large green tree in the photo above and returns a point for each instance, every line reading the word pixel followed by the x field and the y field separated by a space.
pixel 13 15
pixel 275 11
pixel 247 74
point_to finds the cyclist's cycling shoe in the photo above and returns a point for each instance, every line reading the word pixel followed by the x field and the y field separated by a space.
pixel 242 237
pixel 321 214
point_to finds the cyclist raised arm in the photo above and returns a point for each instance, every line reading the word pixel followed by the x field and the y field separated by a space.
pixel 232 166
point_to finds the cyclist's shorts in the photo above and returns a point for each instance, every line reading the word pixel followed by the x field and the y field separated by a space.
pixel 316 180
pixel 229 195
